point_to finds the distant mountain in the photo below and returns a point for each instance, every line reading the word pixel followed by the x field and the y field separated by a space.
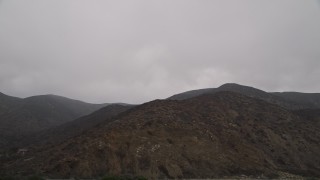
pixel 192 93
pixel 309 115
pixel 76 127
pixel 309 100
pixel 286 100
pixel 7 103
pixel 220 135
pixel 246 90
pixel 19 117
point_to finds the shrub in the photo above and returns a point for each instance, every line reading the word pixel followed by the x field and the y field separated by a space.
pixel 7 178
pixel 111 177
pixel 35 177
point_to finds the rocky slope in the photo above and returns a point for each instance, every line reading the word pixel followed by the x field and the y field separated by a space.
pixel 210 136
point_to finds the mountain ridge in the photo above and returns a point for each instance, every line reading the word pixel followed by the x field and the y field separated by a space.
pixel 217 135
pixel 279 98
pixel 223 132
pixel 75 127
pixel 23 116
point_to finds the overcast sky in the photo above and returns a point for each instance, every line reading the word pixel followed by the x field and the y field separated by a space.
pixel 136 51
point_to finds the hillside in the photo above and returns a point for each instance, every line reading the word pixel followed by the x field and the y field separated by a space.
pixel 76 127
pixel 309 114
pixel 8 102
pixel 210 136
pixel 309 100
pixel 20 117
pixel 281 99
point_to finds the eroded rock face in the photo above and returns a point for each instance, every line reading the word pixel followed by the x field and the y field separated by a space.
pixel 210 136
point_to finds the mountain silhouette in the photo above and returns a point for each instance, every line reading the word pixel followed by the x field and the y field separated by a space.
pixel 218 135
pixel 20 117
pixel 288 100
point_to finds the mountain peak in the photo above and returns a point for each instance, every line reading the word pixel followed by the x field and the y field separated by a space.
pixel 230 84
pixel 234 85
pixel 239 88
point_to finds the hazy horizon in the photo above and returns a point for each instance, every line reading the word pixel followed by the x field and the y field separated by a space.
pixel 136 51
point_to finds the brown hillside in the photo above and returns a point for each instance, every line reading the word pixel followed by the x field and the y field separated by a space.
pixel 210 136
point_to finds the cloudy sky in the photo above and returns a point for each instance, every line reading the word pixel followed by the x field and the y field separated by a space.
pixel 136 51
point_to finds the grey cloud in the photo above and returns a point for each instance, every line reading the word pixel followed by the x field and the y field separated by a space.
pixel 135 51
